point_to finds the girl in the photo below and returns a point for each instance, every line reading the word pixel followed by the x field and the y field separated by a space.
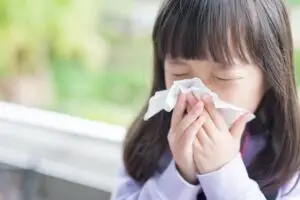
pixel 242 50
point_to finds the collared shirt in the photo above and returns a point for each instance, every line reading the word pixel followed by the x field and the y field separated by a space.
pixel 231 180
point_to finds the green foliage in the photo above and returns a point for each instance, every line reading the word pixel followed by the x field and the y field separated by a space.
pixel 50 29
pixel 114 94
pixel 294 2
pixel 77 42
pixel 99 69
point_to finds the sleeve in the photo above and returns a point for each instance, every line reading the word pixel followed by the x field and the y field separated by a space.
pixel 290 191
pixel 166 186
pixel 233 183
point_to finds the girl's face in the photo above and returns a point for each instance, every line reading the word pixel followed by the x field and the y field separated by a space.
pixel 241 84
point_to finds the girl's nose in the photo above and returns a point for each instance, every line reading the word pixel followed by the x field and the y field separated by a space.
pixel 208 82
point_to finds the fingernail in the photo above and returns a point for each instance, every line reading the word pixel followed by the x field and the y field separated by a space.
pixel 200 122
pixel 248 117
pixel 206 97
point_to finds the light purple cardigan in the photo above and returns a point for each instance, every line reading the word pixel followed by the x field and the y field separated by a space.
pixel 231 180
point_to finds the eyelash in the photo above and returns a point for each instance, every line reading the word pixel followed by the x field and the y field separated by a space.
pixel 180 75
pixel 224 80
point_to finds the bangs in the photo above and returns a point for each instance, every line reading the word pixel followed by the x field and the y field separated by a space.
pixel 217 30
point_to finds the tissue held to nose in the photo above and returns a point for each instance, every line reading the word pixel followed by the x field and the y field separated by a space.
pixel 166 100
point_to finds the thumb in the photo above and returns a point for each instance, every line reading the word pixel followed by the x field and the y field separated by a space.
pixel 238 127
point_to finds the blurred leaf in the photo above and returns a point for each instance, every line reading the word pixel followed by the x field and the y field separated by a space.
pixel 294 2
pixel 3 13
pixel 63 2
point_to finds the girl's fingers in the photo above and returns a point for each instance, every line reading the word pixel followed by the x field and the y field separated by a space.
pixel 189 135
pixel 209 126
pixel 192 101
pixel 197 146
pixel 179 110
pixel 238 127
pixel 187 121
pixel 189 118
pixel 214 114
pixel 203 137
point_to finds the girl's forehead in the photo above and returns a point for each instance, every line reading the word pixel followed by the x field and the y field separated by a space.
pixel 237 62
pixel 202 30
pixel 227 58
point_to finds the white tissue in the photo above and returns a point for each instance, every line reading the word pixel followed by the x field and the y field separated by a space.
pixel 166 100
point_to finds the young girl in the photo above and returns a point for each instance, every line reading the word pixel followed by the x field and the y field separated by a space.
pixel 243 51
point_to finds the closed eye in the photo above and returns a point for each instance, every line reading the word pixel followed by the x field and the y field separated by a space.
pixel 228 79
pixel 180 75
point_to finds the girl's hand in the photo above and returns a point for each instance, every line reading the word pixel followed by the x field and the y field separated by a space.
pixel 217 144
pixel 184 128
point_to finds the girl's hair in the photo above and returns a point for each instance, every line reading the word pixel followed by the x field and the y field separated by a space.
pixel 256 31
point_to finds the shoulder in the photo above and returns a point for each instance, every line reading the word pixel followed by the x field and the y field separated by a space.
pixel 292 188
pixel 164 161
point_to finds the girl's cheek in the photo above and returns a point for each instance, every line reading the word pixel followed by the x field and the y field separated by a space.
pixel 168 81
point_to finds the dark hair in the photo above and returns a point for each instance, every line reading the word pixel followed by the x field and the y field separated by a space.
pixel 256 31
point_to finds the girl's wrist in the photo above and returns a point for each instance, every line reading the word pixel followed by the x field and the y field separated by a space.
pixel 188 177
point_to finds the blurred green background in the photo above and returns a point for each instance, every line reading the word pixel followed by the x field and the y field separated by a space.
pixel 89 58
pixel 294 2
